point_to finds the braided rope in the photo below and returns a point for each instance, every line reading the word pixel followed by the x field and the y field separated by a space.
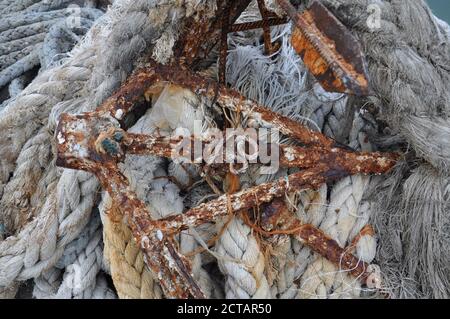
pixel 20 257
pixel 79 278
pixel 130 275
pixel 257 77
pixel 22 45
pixel 242 262
pixel 408 61
pixel 66 202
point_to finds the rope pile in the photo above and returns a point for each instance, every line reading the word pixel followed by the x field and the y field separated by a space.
pixel 36 35
pixel 62 235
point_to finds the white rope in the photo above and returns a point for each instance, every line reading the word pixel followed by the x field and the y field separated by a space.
pixel 75 199
pixel 20 257
pixel 23 35
pixel 409 58
pixel 81 263
pixel 245 277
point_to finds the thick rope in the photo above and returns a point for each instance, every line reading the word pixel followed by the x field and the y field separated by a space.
pixel 257 76
pixel 131 277
pixel 408 61
pixel 75 199
pixel 22 45
pixel 82 261
pixel 242 262
pixel 149 179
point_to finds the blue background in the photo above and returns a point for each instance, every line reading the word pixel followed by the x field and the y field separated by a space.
pixel 441 8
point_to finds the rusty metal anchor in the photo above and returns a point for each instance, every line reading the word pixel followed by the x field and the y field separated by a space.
pixel 97 141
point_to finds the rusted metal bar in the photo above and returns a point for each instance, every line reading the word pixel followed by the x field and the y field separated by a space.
pixel 265 14
pixel 330 249
pixel 95 142
pixel 276 218
pixel 157 75
pixel 225 28
pixel 245 26
pixel 350 162
pixel 81 146
pixel 268 19
pixel 202 32
pixel 228 98
pixel 116 142
pixel 249 198
pixel 171 268
pixel 329 50
pixel 309 235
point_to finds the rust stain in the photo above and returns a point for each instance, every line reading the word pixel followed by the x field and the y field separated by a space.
pixel 277 220
pixel 319 242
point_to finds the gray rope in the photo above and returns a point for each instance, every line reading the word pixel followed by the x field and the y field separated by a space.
pixel 17 45
pixel 23 19
pixel 16 86
pixel 12 6
pixel 60 39
pixel 47 5
pixel 20 67
pixel 409 64
pixel 13 57
pixel 21 54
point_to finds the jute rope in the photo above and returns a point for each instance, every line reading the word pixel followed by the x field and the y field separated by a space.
pixel 126 264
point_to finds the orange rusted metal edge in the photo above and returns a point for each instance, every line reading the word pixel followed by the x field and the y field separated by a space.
pixel 329 50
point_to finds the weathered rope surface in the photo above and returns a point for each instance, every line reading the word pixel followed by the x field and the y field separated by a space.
pixel 125 262
pixel 81 263
pixel 344 216
pixel 71 195
pixel 21 253
pixel 75 191
pixel 37 36
pixel 130 275
pixel 243 263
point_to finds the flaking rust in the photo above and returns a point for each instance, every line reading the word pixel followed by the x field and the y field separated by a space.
pixel 81 145
pixel 351 162
pixel 329 50
pixel 277 219
pixel 325 246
